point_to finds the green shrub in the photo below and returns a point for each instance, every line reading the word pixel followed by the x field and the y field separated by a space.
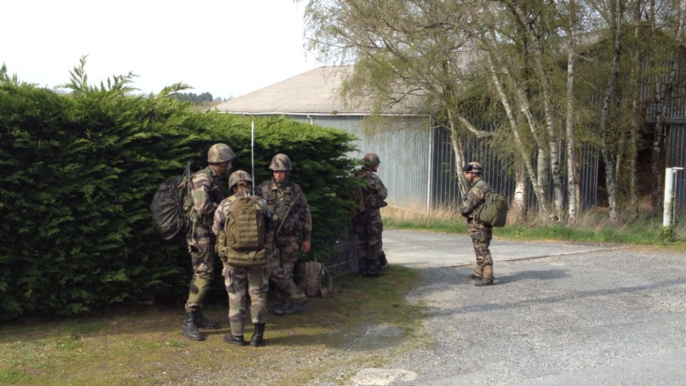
pixel 77 174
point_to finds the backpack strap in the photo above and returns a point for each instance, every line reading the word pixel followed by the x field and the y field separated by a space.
pixel 328 291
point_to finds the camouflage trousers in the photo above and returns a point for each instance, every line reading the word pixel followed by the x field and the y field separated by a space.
pixel 200 242
pixel 481 239
pixel 286 249
pixel 241 283
pixel 281 270
pixel 369 245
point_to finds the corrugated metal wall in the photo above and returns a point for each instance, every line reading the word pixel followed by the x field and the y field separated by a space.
pixel 412 154
pixel 404 148
pixel 499 172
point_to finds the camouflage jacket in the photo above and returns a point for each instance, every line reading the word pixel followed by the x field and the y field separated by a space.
pixel 207 194
pixel 280 197
pixel 475 198
pixel 373 195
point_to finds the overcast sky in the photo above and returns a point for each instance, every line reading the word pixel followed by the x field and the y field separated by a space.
pixel 224 47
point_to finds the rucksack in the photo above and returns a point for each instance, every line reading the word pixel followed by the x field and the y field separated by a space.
pixel 171 205
pixel 244 238
pixel 356 194
pixel 310 277
pixel 494 210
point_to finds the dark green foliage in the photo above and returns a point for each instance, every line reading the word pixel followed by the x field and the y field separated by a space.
pixel 77 174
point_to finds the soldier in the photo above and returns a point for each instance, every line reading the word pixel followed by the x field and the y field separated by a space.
pixel 243 280
pixel 368 224
pixel 292 220
pixel 207 194
pixel 481 233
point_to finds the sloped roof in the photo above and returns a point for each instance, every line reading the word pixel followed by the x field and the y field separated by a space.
pixel 313 92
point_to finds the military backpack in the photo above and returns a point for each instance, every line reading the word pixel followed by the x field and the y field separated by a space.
pixel 310 276
pixel 493 212
pixel 244 241
pixel 171 206
pixel 356 194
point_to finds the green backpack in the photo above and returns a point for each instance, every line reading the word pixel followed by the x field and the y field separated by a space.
pixel 494 210
pixel 356 193
pixel 244 237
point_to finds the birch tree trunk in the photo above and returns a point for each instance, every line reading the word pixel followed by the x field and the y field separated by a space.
pixel 605 150
pixel 637 118
pixel 538 189
pixel 521 191
pixel 544 84
pixel 456 142
pixel 539 176
pixel 572 182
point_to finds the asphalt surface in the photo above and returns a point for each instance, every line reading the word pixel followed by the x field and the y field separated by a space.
pixel 559 314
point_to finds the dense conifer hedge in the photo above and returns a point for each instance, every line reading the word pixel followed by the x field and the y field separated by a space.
pixel 77 174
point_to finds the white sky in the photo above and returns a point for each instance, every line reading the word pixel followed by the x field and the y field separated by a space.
pixel 224 47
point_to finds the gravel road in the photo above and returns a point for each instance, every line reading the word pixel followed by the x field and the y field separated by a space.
pixel 559 314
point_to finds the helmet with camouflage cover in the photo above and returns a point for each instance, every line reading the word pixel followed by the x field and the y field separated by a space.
pixel 280 162
pixel 220 153
pixel 237 177
pixel 473 167
pixel 371 159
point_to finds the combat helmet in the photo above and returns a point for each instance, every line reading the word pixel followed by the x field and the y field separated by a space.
pixel 371 159
pixel 473 167
pixel 220 153
pixel 237 177
pixel 280 162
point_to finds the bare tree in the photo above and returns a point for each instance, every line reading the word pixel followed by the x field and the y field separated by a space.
pixel 423 49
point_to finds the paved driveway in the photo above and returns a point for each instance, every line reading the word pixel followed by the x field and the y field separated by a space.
pixel 559 314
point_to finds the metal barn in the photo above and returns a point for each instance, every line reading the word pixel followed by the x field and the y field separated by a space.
pixel 417 161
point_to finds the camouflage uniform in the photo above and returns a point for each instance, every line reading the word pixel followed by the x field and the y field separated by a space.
pixel 207 194
pixel 368 224
pixel 298 222
pixel 242 282
pixel 481 233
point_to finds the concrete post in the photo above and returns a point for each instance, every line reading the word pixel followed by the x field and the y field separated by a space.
pixel 668 212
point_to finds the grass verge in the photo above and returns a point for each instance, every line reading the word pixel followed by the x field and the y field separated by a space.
pixel 593 227
pixel 146 347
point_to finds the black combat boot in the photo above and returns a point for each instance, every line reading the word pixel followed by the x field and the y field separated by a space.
pixel 202 322
pixel 189 328
pixel 383 260
pixel 295 307
pixel 279 310
pixel 258 336
pixel 234 339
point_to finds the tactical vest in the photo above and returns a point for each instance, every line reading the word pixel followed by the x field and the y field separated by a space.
pixel 283 203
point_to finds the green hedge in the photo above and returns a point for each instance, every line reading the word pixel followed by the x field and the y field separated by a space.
pixel 77 174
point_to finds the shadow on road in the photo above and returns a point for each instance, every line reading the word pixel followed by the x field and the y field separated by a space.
pixel 550 274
